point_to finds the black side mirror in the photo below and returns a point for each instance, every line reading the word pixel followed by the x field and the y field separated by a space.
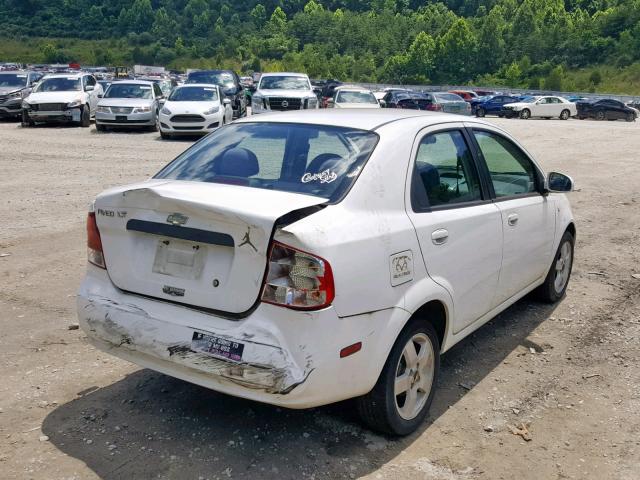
pixel 558 182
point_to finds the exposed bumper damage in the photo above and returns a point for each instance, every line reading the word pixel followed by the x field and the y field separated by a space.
pixel 126 328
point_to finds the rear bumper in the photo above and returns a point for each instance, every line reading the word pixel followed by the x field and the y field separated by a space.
pixel 290 358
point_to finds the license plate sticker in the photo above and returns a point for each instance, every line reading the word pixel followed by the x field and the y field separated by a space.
pixel 216 346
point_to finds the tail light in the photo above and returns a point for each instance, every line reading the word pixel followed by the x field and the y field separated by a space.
pixel 297 279
pixel 434 107
pixel 94 243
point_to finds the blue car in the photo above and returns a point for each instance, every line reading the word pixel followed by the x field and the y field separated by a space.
pixel 493 105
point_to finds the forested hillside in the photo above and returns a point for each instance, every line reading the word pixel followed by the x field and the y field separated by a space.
pixel 572 44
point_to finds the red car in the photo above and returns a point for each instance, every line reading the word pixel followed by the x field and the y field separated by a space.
pixel 467 95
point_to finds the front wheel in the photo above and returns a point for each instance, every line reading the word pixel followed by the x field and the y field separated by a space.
pixel 555 285
pixel 631 117
pixel 165 136
pixel 100 127
pixel 400 400
pixel 85 117
pixel 480 112
pixel 26 121
pixel 600 115
pixel 565 114
pixel 525 114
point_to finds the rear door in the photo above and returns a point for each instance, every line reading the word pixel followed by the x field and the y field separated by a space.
pixel 458 227
pixel 527 217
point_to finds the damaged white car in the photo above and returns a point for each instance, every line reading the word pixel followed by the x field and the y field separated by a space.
pixel 303 258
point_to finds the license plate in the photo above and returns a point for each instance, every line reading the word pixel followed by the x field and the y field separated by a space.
pixel 219 347
pixel 121 118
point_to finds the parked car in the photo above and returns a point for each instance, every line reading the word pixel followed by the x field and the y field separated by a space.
pixel 68 97
pixel 485 93
pixel 130 103
pixel 492 105
pixel 105 84
pixel 283 91
pixel 253 263
pixel 194 109
pixel 407 99
pixel 229 81
pixel 353 97
pixel 606 109
pixel 466 95
pixel 165 84
pixel 451 103
pixel 542 106
pixel 15 86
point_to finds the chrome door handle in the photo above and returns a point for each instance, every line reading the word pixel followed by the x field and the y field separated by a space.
pixel 440 236
pixel 512 219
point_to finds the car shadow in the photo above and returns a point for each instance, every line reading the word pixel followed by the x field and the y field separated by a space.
pixel 148 425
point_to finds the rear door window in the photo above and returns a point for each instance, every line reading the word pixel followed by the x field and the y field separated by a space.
pixel 445 173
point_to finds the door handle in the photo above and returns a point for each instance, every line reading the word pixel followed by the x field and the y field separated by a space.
pixel 440 236
pixel 512 219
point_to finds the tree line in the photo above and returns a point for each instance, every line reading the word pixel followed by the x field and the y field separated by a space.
pixel 531 43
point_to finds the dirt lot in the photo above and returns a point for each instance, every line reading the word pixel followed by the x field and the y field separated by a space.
pixel 569 372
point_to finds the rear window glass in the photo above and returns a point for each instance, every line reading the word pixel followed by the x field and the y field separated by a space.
pixel 323 161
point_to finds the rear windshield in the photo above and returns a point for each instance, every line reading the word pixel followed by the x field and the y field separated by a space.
pixel 128 90
pixel 323 161
pixel 194 94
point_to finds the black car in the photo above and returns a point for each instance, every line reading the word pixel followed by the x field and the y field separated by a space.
pixel 14 87
pixel 229 81
pixel 606 109
pixel 401 98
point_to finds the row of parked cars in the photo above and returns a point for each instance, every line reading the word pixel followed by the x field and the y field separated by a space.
pixel 211 98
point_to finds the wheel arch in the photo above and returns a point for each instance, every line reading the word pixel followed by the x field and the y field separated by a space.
pixel 436 313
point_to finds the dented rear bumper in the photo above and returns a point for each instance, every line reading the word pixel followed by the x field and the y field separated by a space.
pixel 290 358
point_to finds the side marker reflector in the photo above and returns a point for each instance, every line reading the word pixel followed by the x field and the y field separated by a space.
pixel 350 350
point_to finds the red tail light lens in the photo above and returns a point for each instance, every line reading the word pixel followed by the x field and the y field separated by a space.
pixel 297 279
pixel 94 243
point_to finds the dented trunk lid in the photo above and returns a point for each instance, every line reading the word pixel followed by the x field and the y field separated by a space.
pixel 201 244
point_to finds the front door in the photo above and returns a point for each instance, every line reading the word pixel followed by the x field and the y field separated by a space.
pixel 528 217
pixel 458 227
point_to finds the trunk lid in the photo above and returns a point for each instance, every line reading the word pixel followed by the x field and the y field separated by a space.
pixel 201 244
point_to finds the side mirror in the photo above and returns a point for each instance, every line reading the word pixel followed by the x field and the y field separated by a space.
pixel 558 182
pixel 89 88
pixel 226 101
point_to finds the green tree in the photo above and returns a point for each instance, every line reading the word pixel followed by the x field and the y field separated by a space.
pixel 457 52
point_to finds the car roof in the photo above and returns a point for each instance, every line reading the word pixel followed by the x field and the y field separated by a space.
pixel 284 74
pixel 353 118
pixel 129 82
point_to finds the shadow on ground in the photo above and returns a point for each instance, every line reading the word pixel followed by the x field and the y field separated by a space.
pixel 152 426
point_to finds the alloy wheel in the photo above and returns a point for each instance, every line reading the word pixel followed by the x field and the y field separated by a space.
pixel 414 376
pixel 563 267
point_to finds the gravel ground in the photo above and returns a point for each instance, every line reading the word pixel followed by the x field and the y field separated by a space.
pixel 569 373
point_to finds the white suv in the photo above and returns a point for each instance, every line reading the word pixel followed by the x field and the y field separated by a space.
pixel 304 258
pixel 282 92
pixel 69 97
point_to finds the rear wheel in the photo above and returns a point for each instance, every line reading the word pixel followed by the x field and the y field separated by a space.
pixel 400 400
pixel 480 112
pixel 565 114
pixel 555 285
pixel 525 114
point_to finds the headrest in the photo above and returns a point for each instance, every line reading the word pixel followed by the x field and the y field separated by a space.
pixel 237 162
pixel 430 176
pixel 324 161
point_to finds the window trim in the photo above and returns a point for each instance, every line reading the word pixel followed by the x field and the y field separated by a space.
pixel 419 205
pixel 539 191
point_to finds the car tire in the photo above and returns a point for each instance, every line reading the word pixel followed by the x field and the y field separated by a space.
pixel 26 121
pixel 85 117
pixel 600 115
pixel 155 127
pixel 385 411
pixel 631 117
pixel 557 280
pixel 565 114
pixel 100 127
pixel 165 136
pixel 525 114
pixel 480 112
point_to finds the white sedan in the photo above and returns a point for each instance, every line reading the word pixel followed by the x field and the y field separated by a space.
pixel 194 109
pixel 286 260
pixel 545 107
pixel 353 97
